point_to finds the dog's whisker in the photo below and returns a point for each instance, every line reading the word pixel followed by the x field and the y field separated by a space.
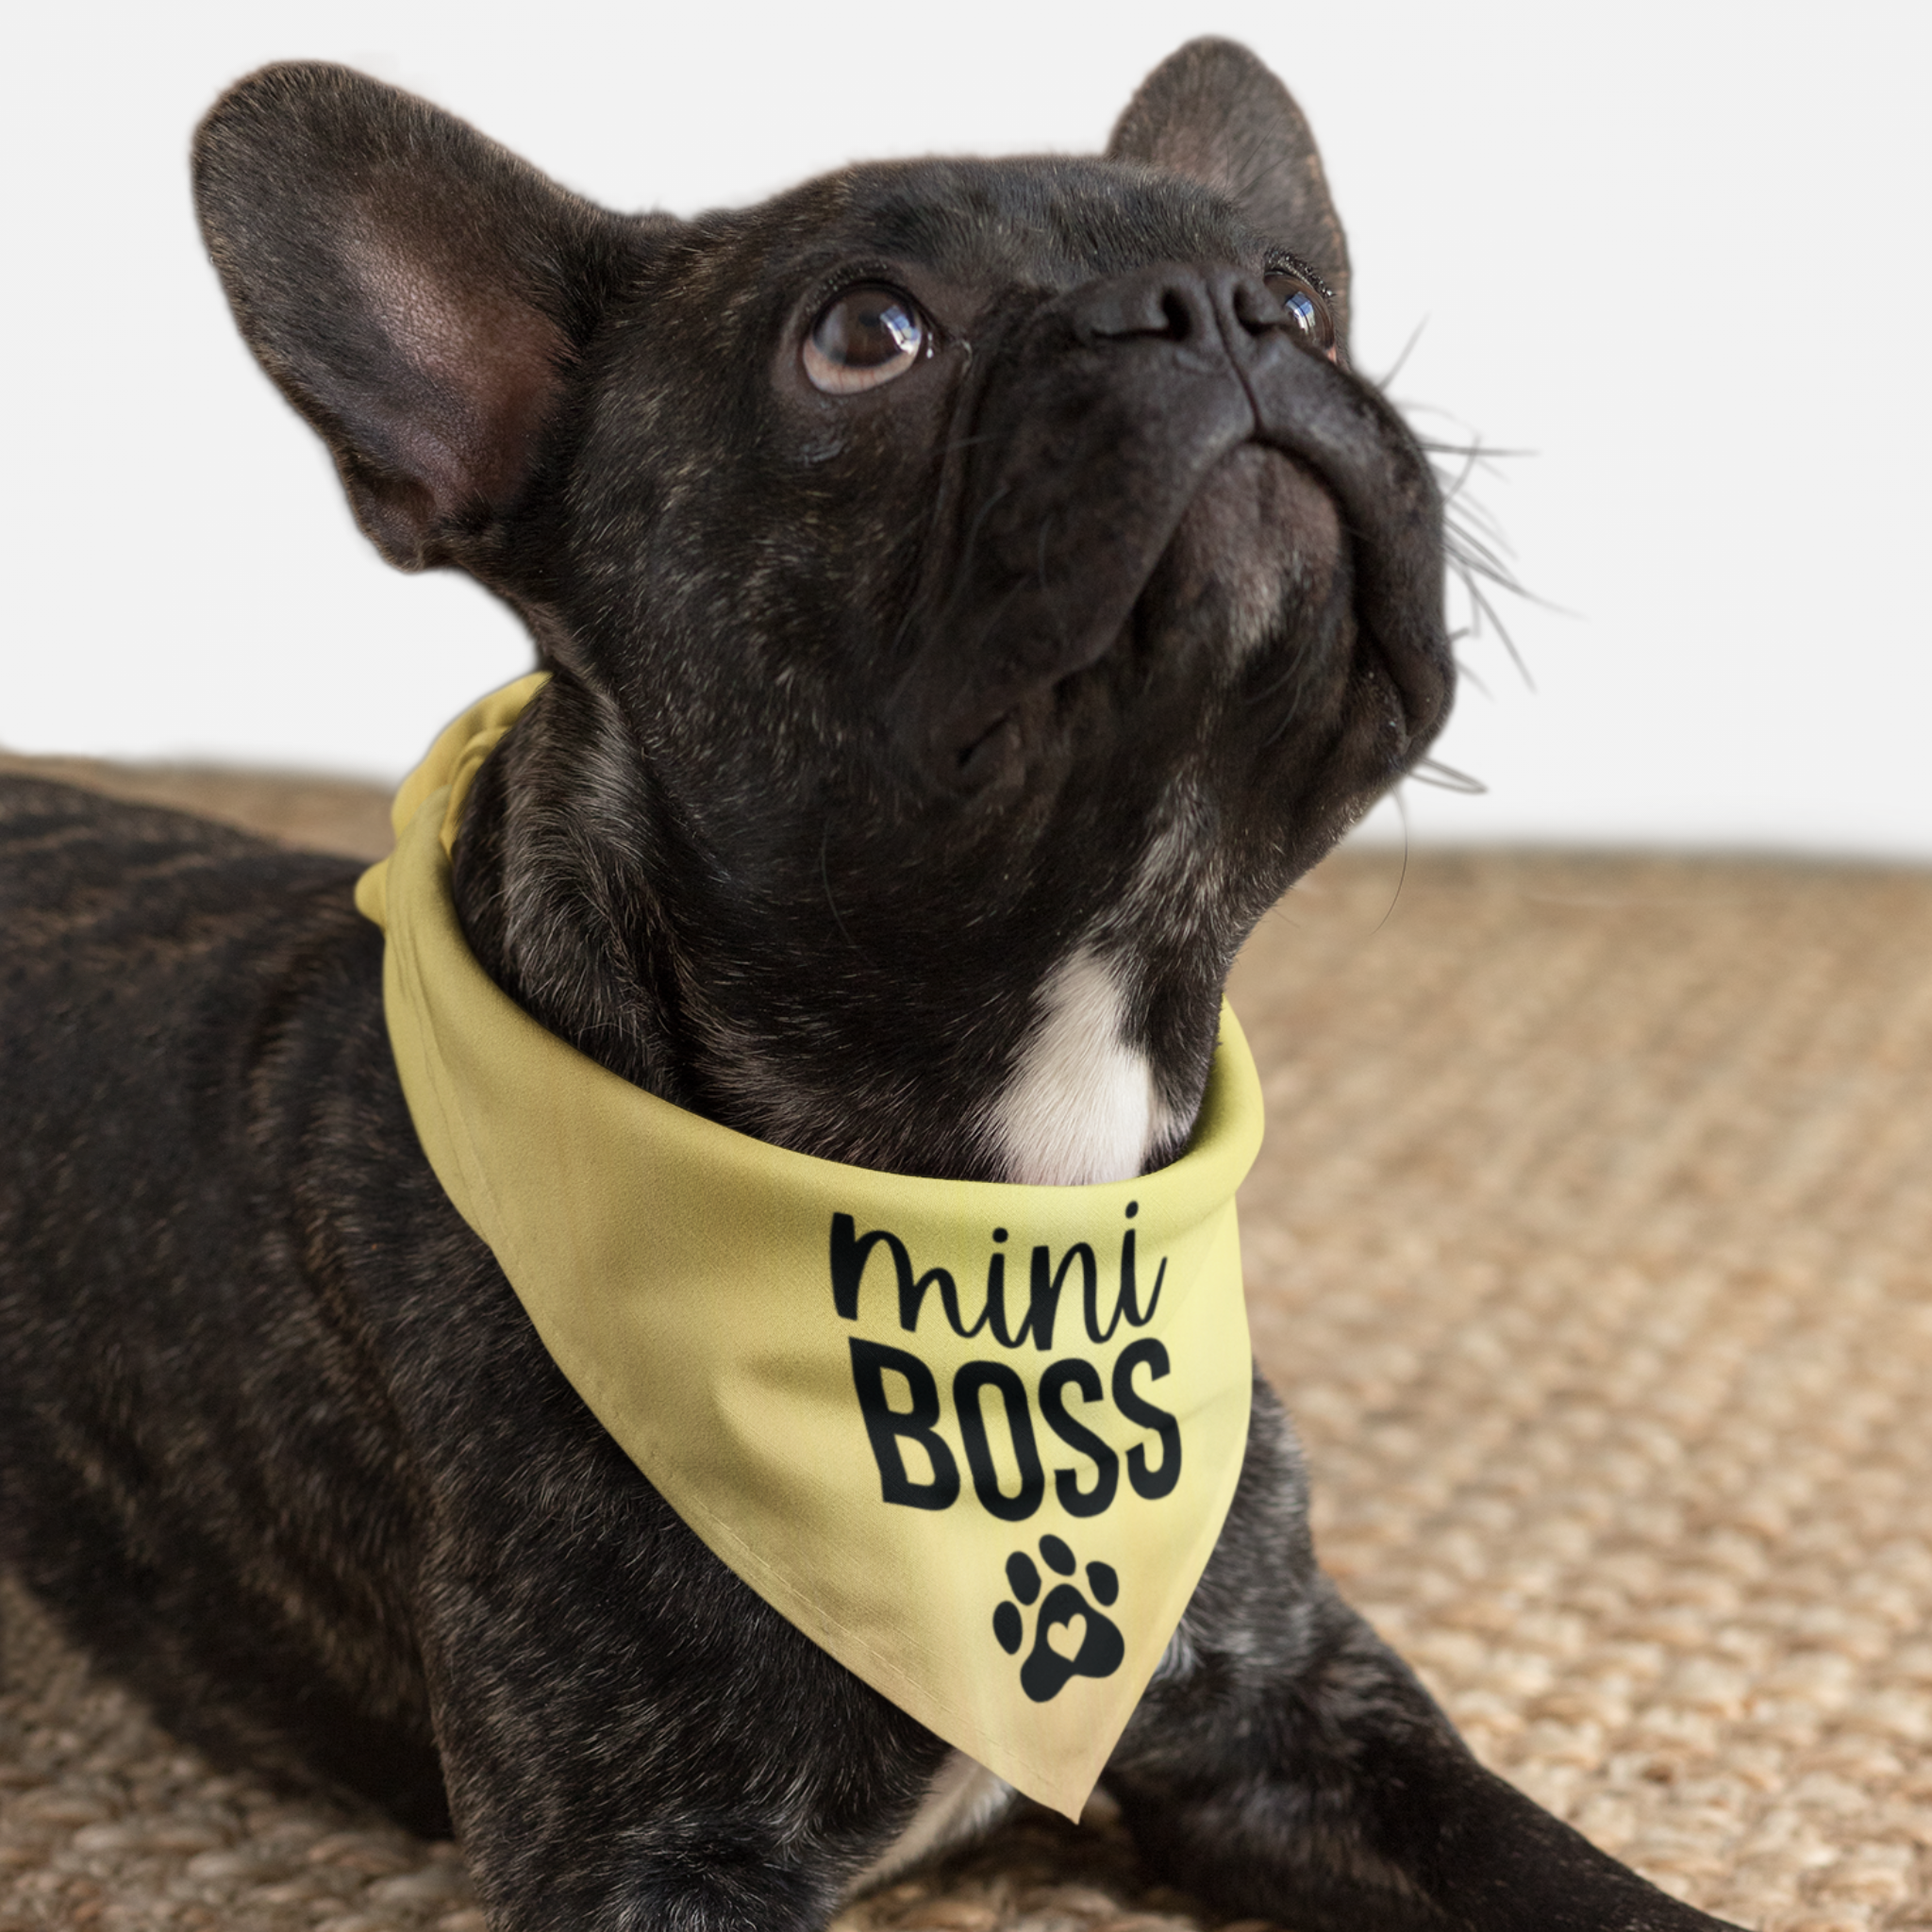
pixel 826 880
pixel 1401 805
pixel 1441 777
pixel 1415 335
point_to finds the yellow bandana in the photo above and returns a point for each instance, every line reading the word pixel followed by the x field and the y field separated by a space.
pixel 975 1440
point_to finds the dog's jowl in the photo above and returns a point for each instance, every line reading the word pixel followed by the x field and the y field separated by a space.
pixel 726 1366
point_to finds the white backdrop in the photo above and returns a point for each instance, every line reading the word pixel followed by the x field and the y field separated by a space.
pixel 1678 251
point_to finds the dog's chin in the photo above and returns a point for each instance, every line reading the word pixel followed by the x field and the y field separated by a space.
pixel 1258 561
pixel 1252 589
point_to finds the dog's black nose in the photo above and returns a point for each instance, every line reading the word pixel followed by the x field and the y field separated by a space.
pixel 1171 302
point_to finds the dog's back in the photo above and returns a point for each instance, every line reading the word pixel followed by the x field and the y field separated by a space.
pixel 271 1408
pixel 180 1000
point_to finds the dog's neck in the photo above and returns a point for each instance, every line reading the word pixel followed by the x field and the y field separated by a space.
pixel 1047 1072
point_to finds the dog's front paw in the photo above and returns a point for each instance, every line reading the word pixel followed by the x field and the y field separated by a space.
pixel 1050 1667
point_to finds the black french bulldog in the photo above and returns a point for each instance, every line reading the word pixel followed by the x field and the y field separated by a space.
pixel 974 591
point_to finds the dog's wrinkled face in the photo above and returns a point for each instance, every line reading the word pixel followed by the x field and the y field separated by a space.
pixel 959 573
pixel 1022 490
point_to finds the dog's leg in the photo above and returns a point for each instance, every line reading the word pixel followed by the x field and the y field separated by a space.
pixel 1285 1762
pixel 594 1789
pixel 630 1736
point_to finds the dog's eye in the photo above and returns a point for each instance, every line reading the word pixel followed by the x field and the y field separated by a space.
pixel 1306 310
pixel 866 337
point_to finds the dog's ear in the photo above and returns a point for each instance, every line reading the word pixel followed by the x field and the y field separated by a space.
pixel 1213 113
pixel 415 291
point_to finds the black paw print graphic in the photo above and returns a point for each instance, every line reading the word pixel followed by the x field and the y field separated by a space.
pixel 1047 1672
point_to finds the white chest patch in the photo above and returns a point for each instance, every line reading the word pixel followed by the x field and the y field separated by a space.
pixel 1081 1104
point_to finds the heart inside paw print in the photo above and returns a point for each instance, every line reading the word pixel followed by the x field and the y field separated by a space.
pixel 1071 1637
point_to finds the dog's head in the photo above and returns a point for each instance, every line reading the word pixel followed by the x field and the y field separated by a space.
pixel 975 589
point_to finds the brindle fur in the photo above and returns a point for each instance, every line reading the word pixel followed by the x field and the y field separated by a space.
pixel 1092 632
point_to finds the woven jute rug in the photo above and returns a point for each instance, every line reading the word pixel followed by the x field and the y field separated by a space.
pixel 1591 1247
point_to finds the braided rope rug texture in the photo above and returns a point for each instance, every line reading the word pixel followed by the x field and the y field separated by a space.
pixel 1590 1247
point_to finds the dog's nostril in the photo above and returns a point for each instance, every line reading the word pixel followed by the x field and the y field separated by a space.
pixel 1160 304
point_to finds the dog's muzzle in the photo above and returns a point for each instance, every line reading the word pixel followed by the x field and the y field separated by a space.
pixel 1087 446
